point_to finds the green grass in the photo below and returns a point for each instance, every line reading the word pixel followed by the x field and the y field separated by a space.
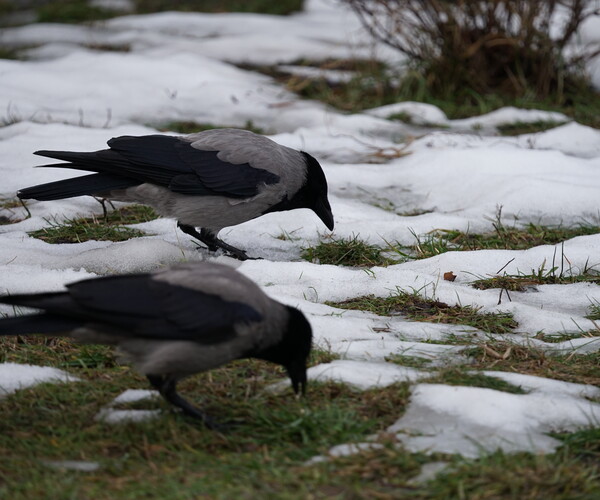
pixel 173 456
pixel 191 127
pixel 410 361
pixel 278 7
pixel 346 252
pixel 97 228
pixel 78 11
pixel 8 53
pixel 417 308
pixel 501 238
pixel 71 11
pixel 504 356
pixel 518 128
pixel 464 377
pixel 376 85
pixel 12 216
pixel 555 338
pixel 522 282
pixel 594 314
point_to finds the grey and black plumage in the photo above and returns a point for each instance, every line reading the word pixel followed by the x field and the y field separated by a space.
pixel 209 180
pixel 173 323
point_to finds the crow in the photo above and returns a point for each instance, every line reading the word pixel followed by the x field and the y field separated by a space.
pixel 173 323
pixel 211 180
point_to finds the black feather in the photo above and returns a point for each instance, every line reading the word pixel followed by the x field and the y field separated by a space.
pixel 38 324
pixel 166 161
pixel 78 186
pixel 139 306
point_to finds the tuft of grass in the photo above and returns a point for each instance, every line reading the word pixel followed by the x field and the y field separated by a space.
pixel 346 252
pixel 410 361
pixel 563 337
pixel 521 282
pixel 518 128
pixel 77 11
pixel 460 376
pixel 8 53
pixel 529 360
pixel 191 127
pixel 8 205
pixel 72 11
pixel 280 7
pixel 97 228
pixel 417 308
pixel 501 238
pixel 372 86
pixel 55 351
pixel 594 309
pixel 564 475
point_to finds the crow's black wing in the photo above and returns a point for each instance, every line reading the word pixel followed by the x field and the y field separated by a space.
pixel 193 171
pixel 140 306
pixel 166 161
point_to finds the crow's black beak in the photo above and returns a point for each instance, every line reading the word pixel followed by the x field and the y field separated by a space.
pixel 323 210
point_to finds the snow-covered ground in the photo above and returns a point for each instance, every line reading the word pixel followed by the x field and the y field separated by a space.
pixel 69 96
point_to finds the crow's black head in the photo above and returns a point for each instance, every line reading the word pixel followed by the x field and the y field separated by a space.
pixel 315 191
pixel 293 349
pixel 312 195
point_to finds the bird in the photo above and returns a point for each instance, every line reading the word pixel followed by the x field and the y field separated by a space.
pixel 172 323
pixel 209 180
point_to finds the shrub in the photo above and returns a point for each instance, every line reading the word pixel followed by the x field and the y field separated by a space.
pixel 511 47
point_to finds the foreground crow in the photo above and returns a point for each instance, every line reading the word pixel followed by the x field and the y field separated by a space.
pixel 173 323
pixel 211 180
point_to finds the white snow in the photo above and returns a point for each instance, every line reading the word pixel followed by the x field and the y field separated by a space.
pixel 78 465
pixel 178 66
pixel 112 416
pixel 134 395
pixel 14 376
pixel 472 420
pixel 420 113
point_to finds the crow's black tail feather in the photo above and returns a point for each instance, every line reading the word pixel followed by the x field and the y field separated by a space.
pixel 41 324
pixel 77 186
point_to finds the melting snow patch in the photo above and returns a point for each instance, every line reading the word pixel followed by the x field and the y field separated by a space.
pixel 420 113
pixel 344 450
pixel 14 376
pixel 364 375
pixel 471 421
pixel 428 472
pixel 78 465
pixel 112 416
pixel 134 395
pixel 508 115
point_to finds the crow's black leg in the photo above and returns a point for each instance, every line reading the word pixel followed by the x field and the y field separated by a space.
pixel 168 390
pixel 212 242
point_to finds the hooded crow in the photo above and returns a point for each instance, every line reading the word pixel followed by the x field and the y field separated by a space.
pixel 173 323
pixel 211 180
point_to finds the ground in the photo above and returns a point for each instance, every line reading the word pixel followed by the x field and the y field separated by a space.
pixel 455 305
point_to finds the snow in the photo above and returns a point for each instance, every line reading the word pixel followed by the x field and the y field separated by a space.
pixel 509 115
pixel 469 420
pixel 14 377
pixel 78 465
pixel 420 113
pixel 111 415
pixel 178 66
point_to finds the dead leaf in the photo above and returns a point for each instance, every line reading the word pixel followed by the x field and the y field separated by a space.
pixel 449 276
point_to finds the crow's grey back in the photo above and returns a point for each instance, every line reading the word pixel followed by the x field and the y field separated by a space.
pixel 241 146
